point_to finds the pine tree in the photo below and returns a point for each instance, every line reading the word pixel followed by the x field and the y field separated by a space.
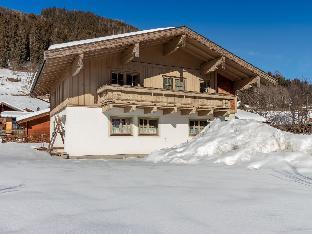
pixel 24 37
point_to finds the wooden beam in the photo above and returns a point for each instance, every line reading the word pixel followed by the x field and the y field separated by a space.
pixel 196 51
pixel 130 54
pixel 202 112
pixel 77 65
pixel 213 65
pixel 174 44
pixel 130 108
pixel 150 110
pixel 236 71
pixel 188 111
pixel 220 113
pixel 247 83
pixel 170 110
pixel 107 107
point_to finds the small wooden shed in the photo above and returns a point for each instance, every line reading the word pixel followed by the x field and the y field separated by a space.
pixel 36 125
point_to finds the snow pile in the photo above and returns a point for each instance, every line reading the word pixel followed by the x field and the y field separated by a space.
pixel 239 141
pixel 14 82
pixel 241 114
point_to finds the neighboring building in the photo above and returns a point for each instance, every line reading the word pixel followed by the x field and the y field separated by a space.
pixel 36 125
pixel 8 122
pixel 4 107
pixel 137 92
pixel 12 107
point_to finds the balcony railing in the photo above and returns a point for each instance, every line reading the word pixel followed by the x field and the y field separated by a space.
pixel 151 97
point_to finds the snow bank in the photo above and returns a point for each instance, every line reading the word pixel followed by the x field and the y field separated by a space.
pixel 240 141
pixel 241 114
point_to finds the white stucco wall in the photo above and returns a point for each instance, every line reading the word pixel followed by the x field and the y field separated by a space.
pixel 88 132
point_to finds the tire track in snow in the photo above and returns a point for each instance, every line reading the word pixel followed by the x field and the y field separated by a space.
pixel 294 176
pixel 9 189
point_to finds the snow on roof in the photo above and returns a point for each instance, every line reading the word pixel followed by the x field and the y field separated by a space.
pixel 12 114
pixel 241 114
pixel 24 102
pixel 9 105
pixel 87 41
pixel 33 114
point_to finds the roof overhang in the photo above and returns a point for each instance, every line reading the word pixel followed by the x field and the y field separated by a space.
pixel 10 106
pixel 57 58
pixel 32 116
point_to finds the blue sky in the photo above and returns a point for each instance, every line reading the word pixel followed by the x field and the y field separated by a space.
pixel 274 35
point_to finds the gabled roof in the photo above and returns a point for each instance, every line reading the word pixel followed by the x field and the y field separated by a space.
pixel 12 114
pixel 10 106
pixel 22 103
pixel 32 115
pixel 59 56
pixel 98 39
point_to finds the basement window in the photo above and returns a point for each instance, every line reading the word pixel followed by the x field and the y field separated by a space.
pixel 117 78
pixel 121 126
pixel 196 126
pixel 148 127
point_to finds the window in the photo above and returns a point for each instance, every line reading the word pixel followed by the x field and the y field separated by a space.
pixel 148 127
pixel 168 83
pixel 196 126
pixel 121 126
pixel 173 83
pixel 179 84
pixel 133 79
pixel 117 78
pixel 204 86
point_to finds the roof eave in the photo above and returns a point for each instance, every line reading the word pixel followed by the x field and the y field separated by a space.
pixel 35 80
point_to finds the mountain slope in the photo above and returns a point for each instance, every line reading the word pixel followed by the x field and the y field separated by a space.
pixel 14 82
pixel 24 37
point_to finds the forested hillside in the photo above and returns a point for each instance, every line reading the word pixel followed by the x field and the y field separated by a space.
pixel 24 37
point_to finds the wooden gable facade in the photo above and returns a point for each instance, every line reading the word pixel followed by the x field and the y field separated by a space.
pixel 170 66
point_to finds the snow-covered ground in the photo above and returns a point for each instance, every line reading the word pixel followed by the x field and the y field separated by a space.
pixel 43 194
pixel 14 82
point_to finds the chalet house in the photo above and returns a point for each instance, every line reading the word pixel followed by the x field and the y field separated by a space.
pixel 137 92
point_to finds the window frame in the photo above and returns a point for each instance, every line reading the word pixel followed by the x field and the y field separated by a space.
pixel 174 83
pixel 132 74
pixel 148 119
pixel 117 73
pixel 198 121
pixel 205 86
pixel 120 118
pixel 125 73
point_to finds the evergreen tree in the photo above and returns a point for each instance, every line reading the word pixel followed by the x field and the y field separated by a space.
pixel 24 37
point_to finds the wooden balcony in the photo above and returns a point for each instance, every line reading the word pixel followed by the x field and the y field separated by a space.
pixel 151 100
